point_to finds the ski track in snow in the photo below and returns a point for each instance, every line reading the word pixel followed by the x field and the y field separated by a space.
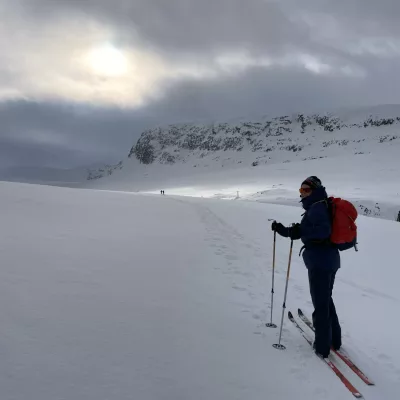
pixel 198 329
pixel 227 242
pixel 245 264
pixel 235 247
pixel 368 291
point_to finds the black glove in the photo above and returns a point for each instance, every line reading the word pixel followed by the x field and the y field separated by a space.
pixel 292 232
pixel 295 232
pixel 277 227
pixel 280 229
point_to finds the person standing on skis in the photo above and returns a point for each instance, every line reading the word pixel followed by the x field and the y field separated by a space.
pixel 322 260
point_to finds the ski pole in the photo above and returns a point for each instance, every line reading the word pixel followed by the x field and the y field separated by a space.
pixel 278 345
pixel 270 324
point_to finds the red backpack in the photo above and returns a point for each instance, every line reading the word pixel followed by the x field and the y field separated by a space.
pixel 344 228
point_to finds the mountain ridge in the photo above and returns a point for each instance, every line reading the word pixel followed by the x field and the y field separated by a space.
pixel 269 140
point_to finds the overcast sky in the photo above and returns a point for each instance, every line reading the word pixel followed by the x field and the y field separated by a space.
pixel 81 79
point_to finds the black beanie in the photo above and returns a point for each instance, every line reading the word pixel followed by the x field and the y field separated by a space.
pixel 313 182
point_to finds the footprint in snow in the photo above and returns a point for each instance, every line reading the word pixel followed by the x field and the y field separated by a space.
pixel 298 288
pixel 240 289
pixel 384 357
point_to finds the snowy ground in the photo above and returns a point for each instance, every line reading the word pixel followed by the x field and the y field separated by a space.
pixel 368 180
pixel 357 159
pixel 125 296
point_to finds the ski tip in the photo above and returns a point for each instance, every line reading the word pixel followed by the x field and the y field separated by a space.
pixel 290 315
pixel 299 311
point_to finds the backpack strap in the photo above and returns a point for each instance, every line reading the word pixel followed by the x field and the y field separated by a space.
pixel 330 206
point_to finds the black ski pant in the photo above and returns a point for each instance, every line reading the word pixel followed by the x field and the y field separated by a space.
pixel 327 328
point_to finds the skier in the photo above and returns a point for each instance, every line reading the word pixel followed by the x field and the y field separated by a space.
pixel 322 260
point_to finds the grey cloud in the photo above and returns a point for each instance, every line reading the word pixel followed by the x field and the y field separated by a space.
pixel 378 11
pixel 43 132
pixel 259 92
pixel 56 134
pixel 16 153
pixel 358 18
pixel 187 25
pixel 191 26
pixel 331 30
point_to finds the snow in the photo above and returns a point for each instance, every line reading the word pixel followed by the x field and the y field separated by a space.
pixel 368 180
pixel 354 152
pixel 117 295
pixel 112 291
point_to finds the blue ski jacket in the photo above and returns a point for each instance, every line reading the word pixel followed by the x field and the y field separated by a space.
pixel 314 231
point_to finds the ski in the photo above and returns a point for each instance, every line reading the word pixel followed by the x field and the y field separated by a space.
pixel 305 319
pixel 330 364
pixel 344 357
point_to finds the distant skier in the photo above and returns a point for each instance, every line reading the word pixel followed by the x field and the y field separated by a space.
pixel 322 260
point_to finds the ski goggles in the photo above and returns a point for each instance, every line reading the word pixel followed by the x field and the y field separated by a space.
pixel 305 190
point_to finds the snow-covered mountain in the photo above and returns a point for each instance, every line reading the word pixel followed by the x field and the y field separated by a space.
pixel 103 171
pixel 346 149
pixel 279 139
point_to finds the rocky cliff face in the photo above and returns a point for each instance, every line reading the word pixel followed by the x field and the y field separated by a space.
pixel 281 139
pixel 179 143
pixel 107 170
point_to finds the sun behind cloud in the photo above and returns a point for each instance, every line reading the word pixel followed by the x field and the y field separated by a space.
pixel 87 64
pixel 107 61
